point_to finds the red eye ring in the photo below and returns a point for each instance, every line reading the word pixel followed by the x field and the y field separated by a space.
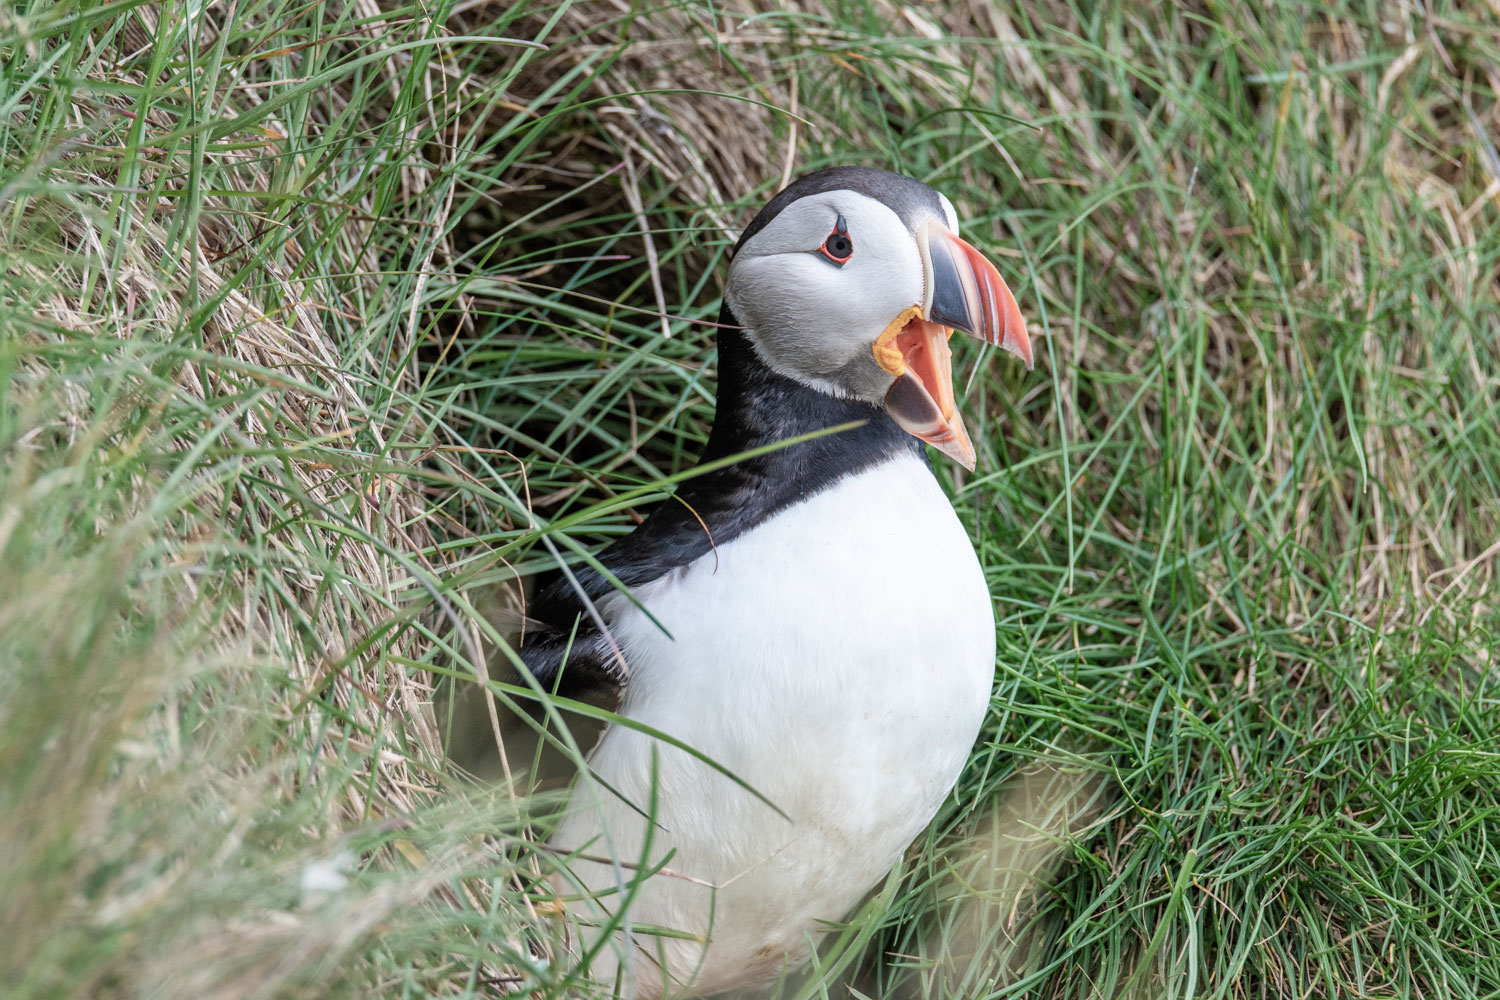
pixel 838 247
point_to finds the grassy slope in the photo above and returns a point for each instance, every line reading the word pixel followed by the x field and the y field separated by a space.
pixel 1239 521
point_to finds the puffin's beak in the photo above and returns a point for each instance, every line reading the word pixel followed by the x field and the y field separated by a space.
pixel 963 292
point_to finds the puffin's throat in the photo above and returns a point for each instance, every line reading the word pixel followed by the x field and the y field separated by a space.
pixel 921 400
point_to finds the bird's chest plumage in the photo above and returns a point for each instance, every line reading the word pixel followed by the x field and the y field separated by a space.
pixel 838 659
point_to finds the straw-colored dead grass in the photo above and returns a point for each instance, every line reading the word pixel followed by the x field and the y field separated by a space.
pixel 267 342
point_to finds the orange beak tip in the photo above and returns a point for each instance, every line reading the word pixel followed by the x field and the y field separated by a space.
pixel 1015 339
pixel 1022 349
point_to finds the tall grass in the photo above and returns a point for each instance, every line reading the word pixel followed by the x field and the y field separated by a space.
pixel 317 320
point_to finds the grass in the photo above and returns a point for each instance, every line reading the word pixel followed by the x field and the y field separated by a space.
pixel 317 321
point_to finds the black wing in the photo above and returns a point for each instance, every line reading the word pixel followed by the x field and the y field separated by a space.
pixel 562 633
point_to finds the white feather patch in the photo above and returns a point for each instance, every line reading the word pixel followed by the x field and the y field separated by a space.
pixel 838 658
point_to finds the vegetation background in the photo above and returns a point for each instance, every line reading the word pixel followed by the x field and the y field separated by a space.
pixel 323 320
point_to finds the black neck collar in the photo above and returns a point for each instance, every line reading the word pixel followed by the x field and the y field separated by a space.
pixel 756 407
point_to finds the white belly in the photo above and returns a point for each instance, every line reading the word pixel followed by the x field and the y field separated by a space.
pixel 838 658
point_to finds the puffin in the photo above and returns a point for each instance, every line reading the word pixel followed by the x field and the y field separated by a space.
pixel 800 641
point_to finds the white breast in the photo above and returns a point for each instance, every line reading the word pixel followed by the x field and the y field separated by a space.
pixel 838 658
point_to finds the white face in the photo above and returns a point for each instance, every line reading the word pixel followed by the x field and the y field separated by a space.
pixel 815 320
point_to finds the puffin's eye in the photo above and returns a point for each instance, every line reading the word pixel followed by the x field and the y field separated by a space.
pixel 838 247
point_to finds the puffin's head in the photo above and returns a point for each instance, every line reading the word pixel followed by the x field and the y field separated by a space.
pixel 851 281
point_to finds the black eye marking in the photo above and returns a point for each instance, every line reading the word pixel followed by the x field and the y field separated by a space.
pixel 838 247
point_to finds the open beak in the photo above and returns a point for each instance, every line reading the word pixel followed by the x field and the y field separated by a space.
pixel 963 292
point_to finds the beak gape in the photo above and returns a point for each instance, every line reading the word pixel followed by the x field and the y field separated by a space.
pixel 963 292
